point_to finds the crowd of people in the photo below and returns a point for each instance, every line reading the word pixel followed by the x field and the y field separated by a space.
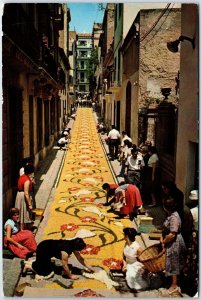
pixel 179 235
pixel 139 165
pixel 140 169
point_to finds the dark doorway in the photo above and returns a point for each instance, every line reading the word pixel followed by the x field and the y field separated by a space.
pixel 39 123
pixel 52 115
pixel 47 122
pixel 31 127
pixel 15 136
pixel 104 108
pixel 128 108
pixel 118 115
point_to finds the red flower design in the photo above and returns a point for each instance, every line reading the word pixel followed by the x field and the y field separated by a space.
pixel 90 249
pixel 87 184
pixel 112 263
pixel 96 161
pixel 73 189
pixel 86 173
pixel 88 219
pixel 99 205
pixel 87 199
pixel 68 227
pixel 99 177
pixel 88 293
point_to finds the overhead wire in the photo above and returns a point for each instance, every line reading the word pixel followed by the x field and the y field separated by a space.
pixel 155 23
pixel 169 11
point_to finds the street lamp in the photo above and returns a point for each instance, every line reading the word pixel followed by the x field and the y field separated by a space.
pixel 173 46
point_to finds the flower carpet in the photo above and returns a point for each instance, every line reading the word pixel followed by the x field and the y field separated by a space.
pixel 77 209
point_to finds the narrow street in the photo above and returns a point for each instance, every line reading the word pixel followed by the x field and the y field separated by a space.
pixel 125 78
pixel 75 208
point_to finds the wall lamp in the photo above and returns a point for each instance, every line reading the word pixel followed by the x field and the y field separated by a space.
pixel 173 46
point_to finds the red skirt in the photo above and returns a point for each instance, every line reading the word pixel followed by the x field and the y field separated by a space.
pixel 133 200
pixel 24 238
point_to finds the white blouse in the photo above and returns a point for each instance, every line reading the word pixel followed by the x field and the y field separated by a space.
pixel 130 252
pixel 153 159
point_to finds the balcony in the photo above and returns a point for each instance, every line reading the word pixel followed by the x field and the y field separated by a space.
pixel 61 77
pixel 48 62
pixel 58 16
pixel 115 88
pixel 18 28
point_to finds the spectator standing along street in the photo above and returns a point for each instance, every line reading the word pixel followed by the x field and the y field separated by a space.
pixel 134 164
pixel 174 244
pixel 23 198
pixel 113 142
pixel 153 181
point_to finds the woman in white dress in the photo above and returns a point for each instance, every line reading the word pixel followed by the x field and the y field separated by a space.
pixel 135 272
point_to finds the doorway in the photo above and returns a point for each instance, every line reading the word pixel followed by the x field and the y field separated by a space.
pixel 128 109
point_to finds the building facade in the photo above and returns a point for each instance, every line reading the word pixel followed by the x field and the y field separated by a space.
pixel 73 63
pixel 32 79
pixel 148 74
pixel 106 61
pixel 84 48
pixel 187 155
pixel 65 66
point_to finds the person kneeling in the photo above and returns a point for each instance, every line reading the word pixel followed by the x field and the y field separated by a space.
pixel 62 142
pixel 135 273
pixel 60 249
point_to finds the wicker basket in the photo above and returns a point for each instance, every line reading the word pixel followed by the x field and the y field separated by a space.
pixel 37 213
pixel 153 258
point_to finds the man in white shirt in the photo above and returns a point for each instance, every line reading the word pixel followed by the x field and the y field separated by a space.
pixel 62 142
pixel 125 137
pixel 134 164
pixel 113 142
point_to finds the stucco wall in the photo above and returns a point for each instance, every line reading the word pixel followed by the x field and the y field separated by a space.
pixel 130 73
pixel 158 66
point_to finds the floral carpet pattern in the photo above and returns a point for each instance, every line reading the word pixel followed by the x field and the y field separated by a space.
pixel 78 203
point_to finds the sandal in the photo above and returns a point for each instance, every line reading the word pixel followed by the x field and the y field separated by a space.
pixel 177 289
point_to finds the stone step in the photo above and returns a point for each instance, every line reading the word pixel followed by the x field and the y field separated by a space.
pixel 31 292
pixel 11 275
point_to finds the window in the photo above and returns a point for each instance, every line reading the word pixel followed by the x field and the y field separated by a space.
pixel 81 76
pixel 82 43
pixel 119 65
pixel 82 64
pixel 83 53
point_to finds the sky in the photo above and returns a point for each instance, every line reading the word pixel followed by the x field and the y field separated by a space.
pixel 83 16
